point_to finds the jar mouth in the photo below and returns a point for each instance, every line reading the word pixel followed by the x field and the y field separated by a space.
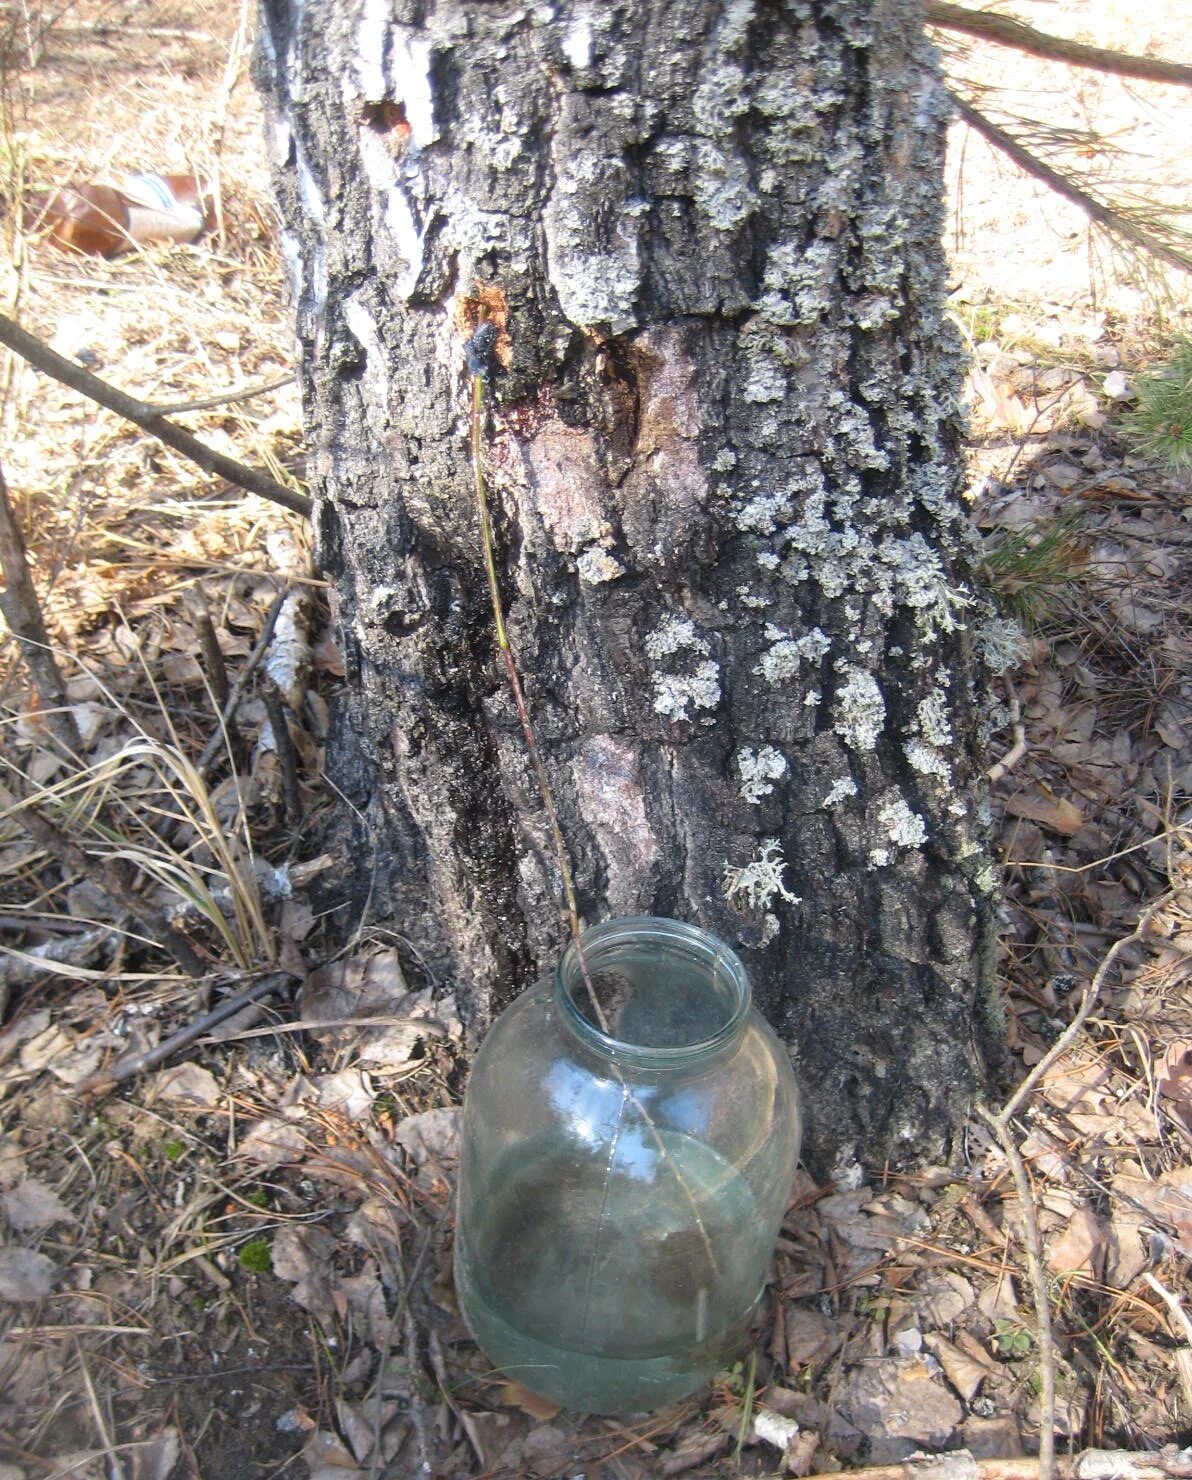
pixel 670 993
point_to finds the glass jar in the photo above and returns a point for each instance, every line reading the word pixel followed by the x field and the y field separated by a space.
pixel 624 1174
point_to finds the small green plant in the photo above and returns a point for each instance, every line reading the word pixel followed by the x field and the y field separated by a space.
pixel 875 1304
pixel 256 1256
pixel 172 1150
pixel 1160 424
pixel 1011 1339
pixel 1028 571
pixel 258 1197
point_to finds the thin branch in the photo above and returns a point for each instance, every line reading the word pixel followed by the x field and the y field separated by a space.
pixel 562 856
pixel 1088 1002
pixel 959 1464
pixel 287 756
pixel 210 651
pixel 988 25
pixel 210 403
pixel 1001 1125
pixel 106 876
pixel 22 612
pixel 49 362
pixel 228 718
pixel 1018 730
pixel 129 1068
pixel 1042 1301
pixel 1101 214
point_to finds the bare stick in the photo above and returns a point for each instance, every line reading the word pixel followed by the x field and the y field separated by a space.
pixel 1001 1124
pixel 210 403
pixel 49 362
pixel 243 678
pixel 287 756
pixel 212 653
pixel 1018 730
pixel 1087 1003
pixel 1096 210
pixel 1042 1302
pixel 987 25
pixel 22 612
pixel 108 877
pixel 129 1068
pixel 519 698
pixel 1092 1464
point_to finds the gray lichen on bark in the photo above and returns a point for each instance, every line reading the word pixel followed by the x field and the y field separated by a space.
pixel 723 448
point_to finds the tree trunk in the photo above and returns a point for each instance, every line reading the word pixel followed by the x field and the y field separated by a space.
pixel 722 446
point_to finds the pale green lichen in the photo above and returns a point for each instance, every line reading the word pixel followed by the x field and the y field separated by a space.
pixel 759 769
pixel 674 633
pixel 927 760
pixel 904 828
pixel 840 791
pixel 674 692
pixel 759 881
pixel 783 658
pixel 860 710
pixel 1001 643
pixel 934 724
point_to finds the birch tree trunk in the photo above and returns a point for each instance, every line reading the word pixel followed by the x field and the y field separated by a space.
pixel 722 445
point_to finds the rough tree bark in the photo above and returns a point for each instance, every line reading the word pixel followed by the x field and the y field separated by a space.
pixel 723 452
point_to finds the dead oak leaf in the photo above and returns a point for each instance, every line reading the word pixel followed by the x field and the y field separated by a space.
pixel 1081 1247
pixel 189 1086
pixel 273 1143
pixel 302 1254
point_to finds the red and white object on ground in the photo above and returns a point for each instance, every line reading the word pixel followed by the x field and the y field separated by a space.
pixel 118 212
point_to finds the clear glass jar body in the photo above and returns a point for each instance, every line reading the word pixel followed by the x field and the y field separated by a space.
pixel 621 1191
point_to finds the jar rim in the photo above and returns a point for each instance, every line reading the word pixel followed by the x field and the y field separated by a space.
pixel 601 939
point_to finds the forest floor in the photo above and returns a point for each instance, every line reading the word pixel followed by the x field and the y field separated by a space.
pixel 238 1262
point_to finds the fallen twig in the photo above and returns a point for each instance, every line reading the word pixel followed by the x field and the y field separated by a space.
pixel 145 416
pixel 1034 1259
pixel 22 612
pixel 287 756
pixel 243 678
pixel 211 652
pixel 211 403
pixel 1018 730
pixel 1002 1128
pixel 1092 1464
pixel 128 1068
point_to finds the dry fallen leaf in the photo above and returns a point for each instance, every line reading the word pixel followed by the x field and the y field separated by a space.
pixel 188 1085
pixel 31 1204
pixel 432 1135
pixel 811 1335
pixel 514 1395
pixel 1080 1249
pixel 347 1093
pixel 965 1375
pixel 273 1143
pixel 302 1254
pixel 1173 1078
pixel 327 1458
pixel 1057 814
pixel 25 1275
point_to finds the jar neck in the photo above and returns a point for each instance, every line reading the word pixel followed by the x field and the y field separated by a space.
pixel 689 994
